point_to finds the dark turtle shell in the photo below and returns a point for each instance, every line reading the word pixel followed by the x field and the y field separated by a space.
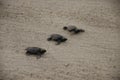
pixel 55 37
pixel 35 51
pixel 73 29
pixel 70 27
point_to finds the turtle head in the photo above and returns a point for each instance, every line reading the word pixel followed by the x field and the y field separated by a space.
pixel 81 30
pixel 65 27
pixel 43 51
pixel 64 39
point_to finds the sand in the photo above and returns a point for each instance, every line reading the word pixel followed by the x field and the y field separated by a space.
pixel 92 55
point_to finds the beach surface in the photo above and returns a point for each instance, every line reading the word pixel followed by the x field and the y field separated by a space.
pixel 92 55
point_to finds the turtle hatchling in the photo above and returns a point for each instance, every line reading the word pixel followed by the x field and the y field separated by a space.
pixel 35 51
pixel 57 38
pixel 73 29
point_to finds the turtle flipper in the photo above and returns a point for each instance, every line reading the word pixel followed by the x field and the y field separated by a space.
pixel 38 57
pixel 58 43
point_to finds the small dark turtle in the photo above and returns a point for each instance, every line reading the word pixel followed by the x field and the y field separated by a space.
pixel 35 51
pixel 57 38
pixel 74 29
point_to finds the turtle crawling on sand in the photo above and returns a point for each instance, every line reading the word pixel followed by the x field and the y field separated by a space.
pixel 57 38
pixel 73 29
pixel 35 51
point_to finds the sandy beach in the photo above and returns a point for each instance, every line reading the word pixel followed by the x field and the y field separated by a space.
pixel 92 55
